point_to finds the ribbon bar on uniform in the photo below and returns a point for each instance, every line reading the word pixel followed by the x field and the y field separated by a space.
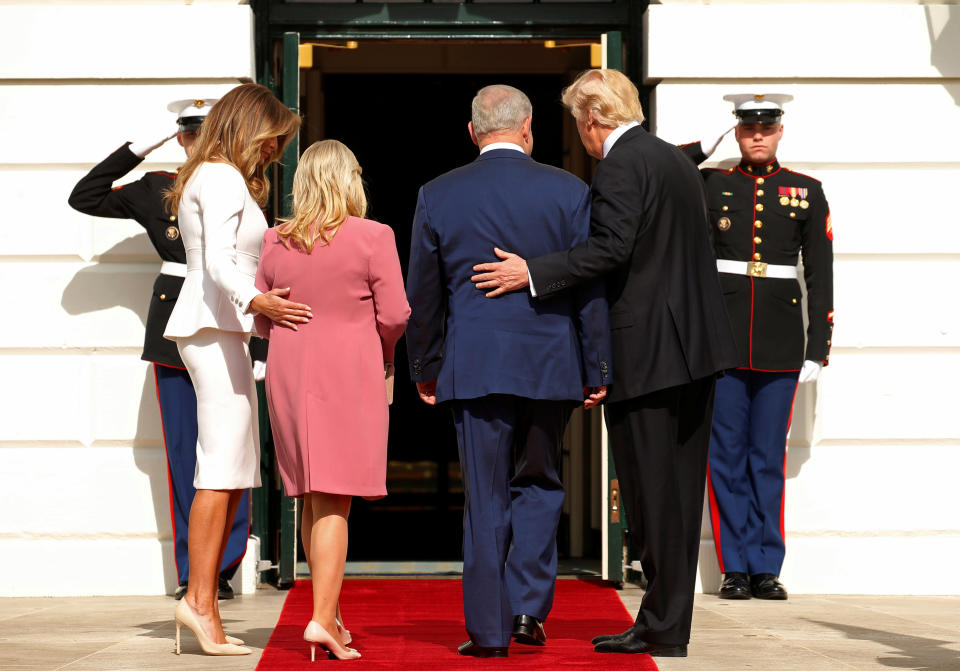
pixel 756 269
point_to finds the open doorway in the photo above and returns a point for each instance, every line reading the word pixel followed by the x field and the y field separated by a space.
pixel 402 106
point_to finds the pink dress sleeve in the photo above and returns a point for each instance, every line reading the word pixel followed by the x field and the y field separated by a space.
pixel 264 281
pixel 389 297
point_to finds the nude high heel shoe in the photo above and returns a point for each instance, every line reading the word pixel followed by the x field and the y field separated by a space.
pixel 315 635
pixel 343 631
pixel 185 617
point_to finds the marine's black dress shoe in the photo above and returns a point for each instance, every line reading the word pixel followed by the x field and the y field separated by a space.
pixel 181 590
pixel 529 630
pixel 224 590
pixel 766 586
pixel 471 649
pixel 632 642
pixel 735 586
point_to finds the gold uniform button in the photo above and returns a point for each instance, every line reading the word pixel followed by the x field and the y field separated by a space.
pixel 757 240
pixel 725 208
pixel 759 180
pixel 163 297
pixel 793 300
pixel 757 257
pixel 758 224
pixel 793 215
pixel 759 207
pixel 173 217
pixel 759 192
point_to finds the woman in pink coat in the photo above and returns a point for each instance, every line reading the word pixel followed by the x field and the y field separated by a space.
pixel 325 381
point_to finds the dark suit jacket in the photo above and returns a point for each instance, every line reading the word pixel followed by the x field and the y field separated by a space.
pixel 472 345
pixel 649 238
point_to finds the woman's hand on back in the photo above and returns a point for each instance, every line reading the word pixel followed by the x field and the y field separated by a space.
pixel 286 313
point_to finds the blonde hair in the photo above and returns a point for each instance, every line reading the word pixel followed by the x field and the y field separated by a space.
pixel 609 94
pixel 234 132
pixel 327 189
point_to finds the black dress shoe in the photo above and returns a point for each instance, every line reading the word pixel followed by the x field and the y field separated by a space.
pixel 610 637
pixel 632 643
pixel 181 590
pixel 224 590
pixel 529 630
pixel 735 586
pixel 766 586
pixel 471 649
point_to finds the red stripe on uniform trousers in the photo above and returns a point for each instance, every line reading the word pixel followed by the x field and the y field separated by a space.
pixel 173 521
pixel 783 492
pixel 714 519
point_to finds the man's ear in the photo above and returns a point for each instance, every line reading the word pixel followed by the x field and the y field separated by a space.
pixel 526 125
pixel 473 136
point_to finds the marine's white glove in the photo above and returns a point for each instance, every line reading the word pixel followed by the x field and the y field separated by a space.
pixel 710 144
pixel 143 147
pixel 810 371
pixel 259 370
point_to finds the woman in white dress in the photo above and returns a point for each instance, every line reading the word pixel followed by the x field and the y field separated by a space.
pixel 219 194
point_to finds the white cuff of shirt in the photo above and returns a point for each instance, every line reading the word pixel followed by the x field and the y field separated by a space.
pixel 243 300
pixel 533 291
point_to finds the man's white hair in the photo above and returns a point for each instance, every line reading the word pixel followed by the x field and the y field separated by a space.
pixel 498 108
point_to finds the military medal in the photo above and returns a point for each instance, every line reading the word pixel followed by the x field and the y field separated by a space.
pixel 724 223
pixel 794 202
pixel 803 198
pixel 804 204
pixel 784 200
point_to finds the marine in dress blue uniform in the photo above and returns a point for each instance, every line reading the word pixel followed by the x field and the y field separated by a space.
pixel 142 201
pixel 763 217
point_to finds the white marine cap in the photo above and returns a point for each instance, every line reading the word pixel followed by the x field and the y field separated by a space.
pixel 191 112
pixel 758 107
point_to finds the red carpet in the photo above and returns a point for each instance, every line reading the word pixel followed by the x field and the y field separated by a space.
pixel 418 624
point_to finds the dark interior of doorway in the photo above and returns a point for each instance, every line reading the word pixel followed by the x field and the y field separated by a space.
pixel 406 129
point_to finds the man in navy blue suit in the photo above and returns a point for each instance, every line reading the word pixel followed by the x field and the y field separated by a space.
pixel 512 370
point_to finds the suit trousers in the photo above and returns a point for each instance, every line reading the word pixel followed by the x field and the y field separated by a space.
pixel 510 461
pixel 178 416
pixel 659 442
pixel 747 460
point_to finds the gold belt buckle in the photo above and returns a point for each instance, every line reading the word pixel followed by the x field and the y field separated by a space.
pixel 757 268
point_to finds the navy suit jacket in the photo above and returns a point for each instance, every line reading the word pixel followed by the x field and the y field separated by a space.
pixel 514 344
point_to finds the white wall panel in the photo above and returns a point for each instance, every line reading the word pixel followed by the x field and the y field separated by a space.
pixel 84 305
pixel 125 401
pixel 869 489
pixel 823 40
pixel 46 398
pixel 892 301
pixel 86 567
pixel 858 565
pixel 136 40
pixel 94 119
pixel 881 395
pixel 108 491
pixel 867 130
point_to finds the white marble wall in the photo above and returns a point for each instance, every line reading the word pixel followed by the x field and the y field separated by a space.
pixel 83 483
pixel 872 502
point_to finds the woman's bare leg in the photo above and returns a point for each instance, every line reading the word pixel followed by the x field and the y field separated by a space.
pixel 205 537
pixel 327 554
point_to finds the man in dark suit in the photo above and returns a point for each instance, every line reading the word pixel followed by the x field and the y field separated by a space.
pixel 142 201
pixel 671 336
pixel 512 370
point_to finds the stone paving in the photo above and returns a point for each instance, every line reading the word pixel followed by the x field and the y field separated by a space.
pixel 809 632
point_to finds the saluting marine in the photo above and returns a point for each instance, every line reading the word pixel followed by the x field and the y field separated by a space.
pixel 142 201
pixel 763 217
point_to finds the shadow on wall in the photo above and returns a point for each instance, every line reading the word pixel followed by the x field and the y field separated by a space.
pixel 911 652
pixel 943 26
pixel 97 288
